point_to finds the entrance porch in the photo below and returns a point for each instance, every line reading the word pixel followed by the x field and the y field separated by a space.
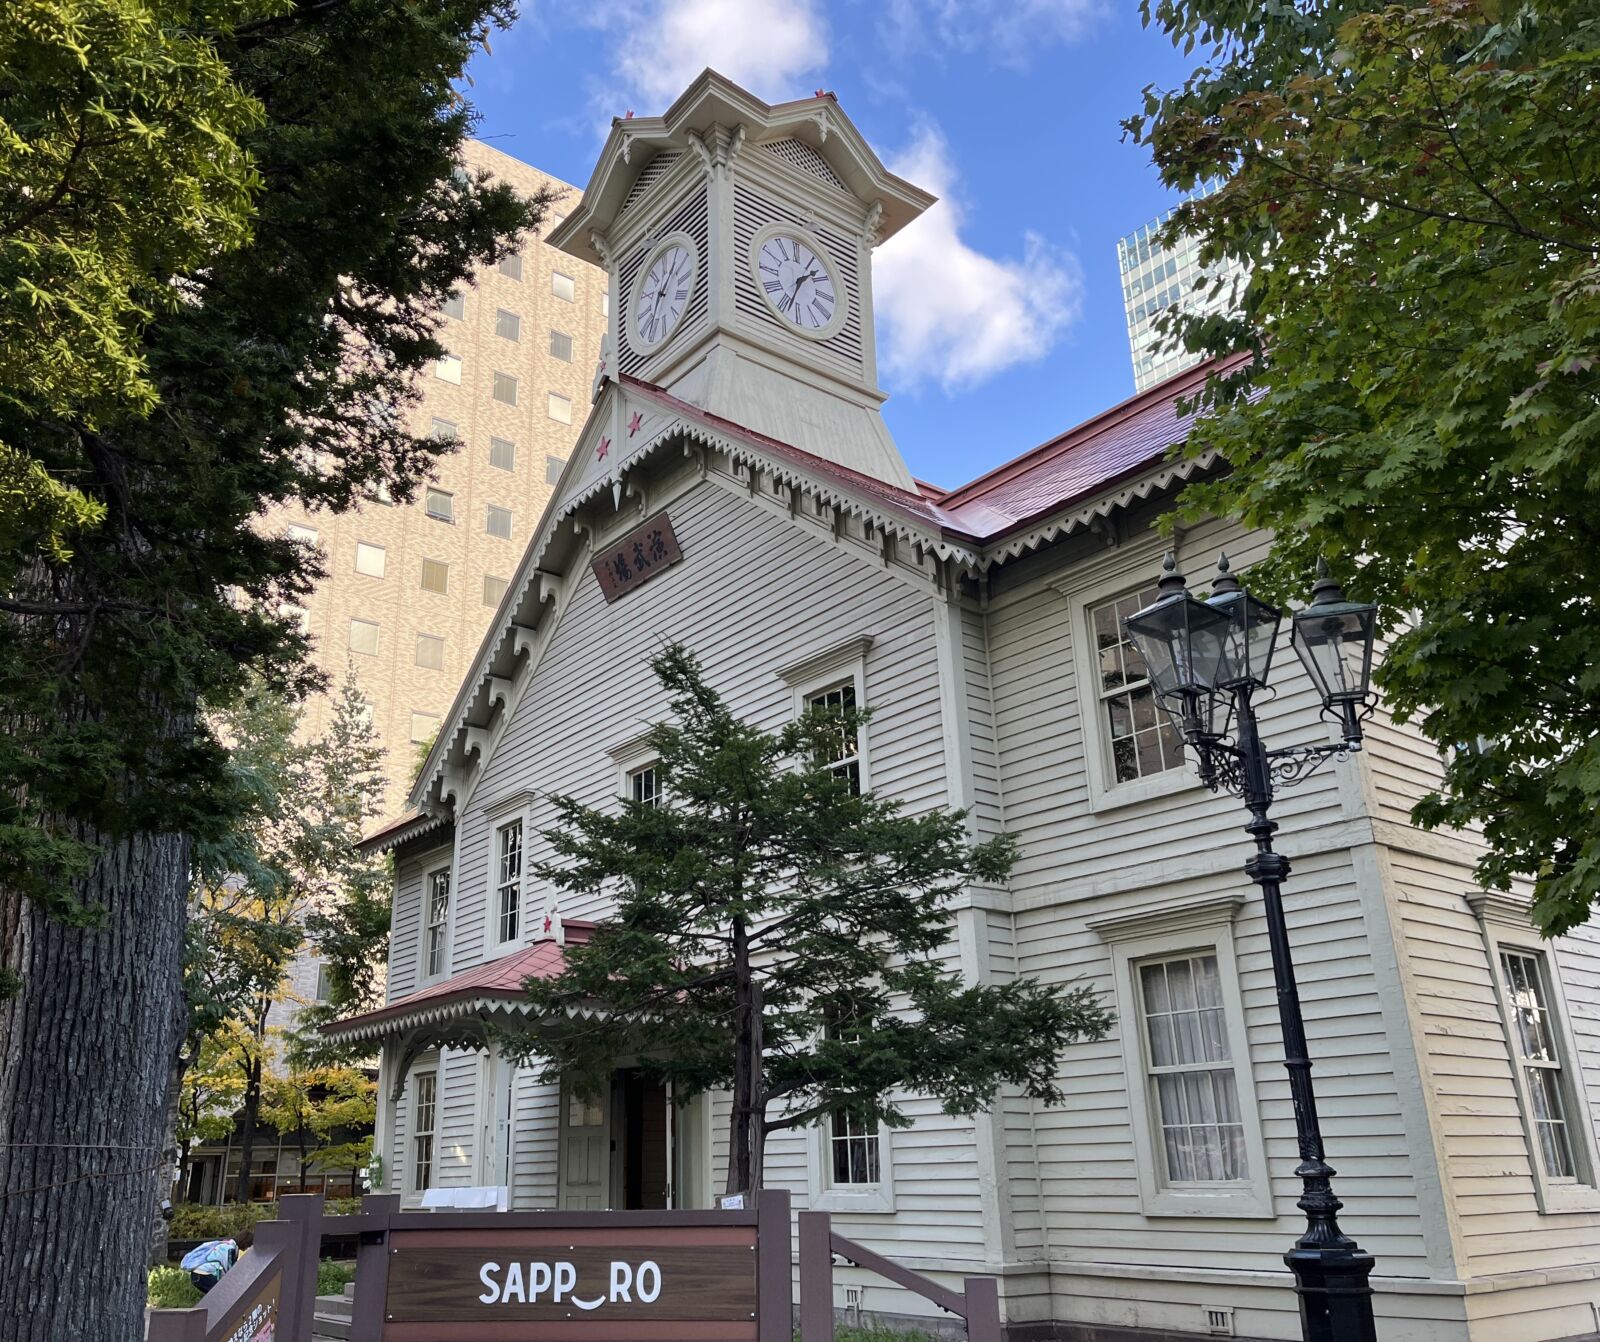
pixel 461 1123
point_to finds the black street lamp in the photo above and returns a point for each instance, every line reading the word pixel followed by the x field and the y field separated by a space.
pixel 1208 660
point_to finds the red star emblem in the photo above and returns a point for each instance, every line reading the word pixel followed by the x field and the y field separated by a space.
pixel 600 452
pixel 548 923
pixel 634 423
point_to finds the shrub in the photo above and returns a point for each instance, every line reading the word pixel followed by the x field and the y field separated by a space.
pixel 170 1288
pixel 332 1276
pixel 201 1221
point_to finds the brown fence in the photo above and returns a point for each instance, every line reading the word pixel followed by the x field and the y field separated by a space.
pixel 978 1302
pixel 680 1276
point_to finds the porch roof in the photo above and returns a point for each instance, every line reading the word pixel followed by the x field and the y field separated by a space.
pixel 491 988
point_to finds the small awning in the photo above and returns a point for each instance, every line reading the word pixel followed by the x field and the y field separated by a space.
pixel 456 1011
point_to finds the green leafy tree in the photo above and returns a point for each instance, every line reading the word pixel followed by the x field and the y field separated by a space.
pixel 285 369
pixel 1414 187
pixel 780 935
pixel 323 1111
pixel 208 1097
pixel 120 152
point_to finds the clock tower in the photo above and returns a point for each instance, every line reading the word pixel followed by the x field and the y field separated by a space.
pixel 738 237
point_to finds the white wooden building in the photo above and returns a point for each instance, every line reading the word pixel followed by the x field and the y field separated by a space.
pixel 737 414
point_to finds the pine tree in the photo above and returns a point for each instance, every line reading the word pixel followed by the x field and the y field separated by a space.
pixel 783 936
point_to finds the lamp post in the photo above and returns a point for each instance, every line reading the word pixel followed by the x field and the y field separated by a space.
pixel 1207 661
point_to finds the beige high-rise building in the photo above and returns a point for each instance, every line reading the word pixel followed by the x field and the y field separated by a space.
pixel 411 587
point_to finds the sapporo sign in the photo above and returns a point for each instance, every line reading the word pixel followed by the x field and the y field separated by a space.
pixel 628 1276
pixel 642 554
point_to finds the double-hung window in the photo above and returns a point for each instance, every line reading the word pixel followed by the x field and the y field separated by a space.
pixel 508 881
pixel 1189 1068
pixel 1534 1034
pixel 438 919
pixel 1543 1053
pixel 1197 1141
pixel 843 747
pixel 423 1109
pixel 1141 740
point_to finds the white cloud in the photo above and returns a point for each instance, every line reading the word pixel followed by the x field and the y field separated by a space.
pixel 771 47
pixel 950 314
pixel 1010 30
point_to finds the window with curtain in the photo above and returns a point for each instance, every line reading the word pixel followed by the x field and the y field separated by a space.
pixel 1190 1071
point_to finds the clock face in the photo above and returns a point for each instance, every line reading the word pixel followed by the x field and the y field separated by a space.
pixel 664 294
pixel 797 282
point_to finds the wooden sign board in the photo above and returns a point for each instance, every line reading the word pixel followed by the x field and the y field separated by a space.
pixel 627 1284
pixel 260 1321
pixel 639 556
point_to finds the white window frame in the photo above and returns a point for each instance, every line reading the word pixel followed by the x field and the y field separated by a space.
pixel 372 547
pixel 825 1195
pixel 837 664
pixel 490 509
pixel 1506 924
pixel 415 714
pixel 631 756
pixel 429 874
pixel 377 636
pixel 448 369
pixel 516 808
pixel 1105 792
pixel 413 1132
pixel 1167 930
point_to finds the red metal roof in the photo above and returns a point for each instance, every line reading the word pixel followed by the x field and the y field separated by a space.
pixel 1098 453
pixel 493 978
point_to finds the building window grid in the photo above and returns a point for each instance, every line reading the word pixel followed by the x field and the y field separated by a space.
pixel 438 917
pixel 508 881
pixel 422 1125
pixel 494 589
pixel 853 1152
pixel 563 286
pixel 560 408
pixel 1534 1038
pixel 497 522
pixel 1190 1071
pixel 371 560
pixel 502 454
pixel 1142 739
pixel 507 325
pixel 505 389
pixel 844 757
pixel 561 346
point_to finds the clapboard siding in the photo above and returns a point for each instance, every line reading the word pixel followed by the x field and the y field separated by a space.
pixel 1078 862
pixel 534 1157
pixel 738 602
pixel 405 926
pixel 1471 1071
pixel 456 1147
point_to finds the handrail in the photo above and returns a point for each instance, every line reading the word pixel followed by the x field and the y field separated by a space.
pixel 977 1303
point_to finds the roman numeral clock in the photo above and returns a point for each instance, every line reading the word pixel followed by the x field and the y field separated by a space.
pixel 738 238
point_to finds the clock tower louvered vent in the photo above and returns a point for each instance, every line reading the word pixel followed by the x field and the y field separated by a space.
pixel 690 218
pixel 652 172
pixel 799 154
pixel 751 211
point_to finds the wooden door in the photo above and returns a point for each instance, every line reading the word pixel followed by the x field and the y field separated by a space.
pixel 585 1153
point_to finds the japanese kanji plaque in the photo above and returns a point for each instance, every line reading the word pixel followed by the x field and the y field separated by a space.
pixel 637 557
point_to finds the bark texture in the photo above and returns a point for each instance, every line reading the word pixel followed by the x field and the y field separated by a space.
pixel 86 1053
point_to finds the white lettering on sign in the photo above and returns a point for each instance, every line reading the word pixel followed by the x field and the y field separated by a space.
pixel 512 1285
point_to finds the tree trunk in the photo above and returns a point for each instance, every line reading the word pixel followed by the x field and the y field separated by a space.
pixel 86 1052
pixel 247 1129
pixel 175 1158
pixel 745 1136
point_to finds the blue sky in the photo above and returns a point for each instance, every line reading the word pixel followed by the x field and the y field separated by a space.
pixel 999 312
